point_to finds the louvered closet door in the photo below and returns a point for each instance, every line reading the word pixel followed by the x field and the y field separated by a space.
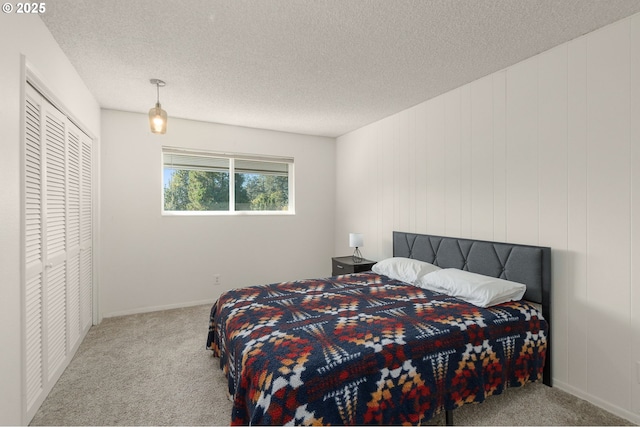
pixel 33 246
pixel 79 235
pixel 57 244
pixel 55 238
pixel 86 232
pixel 73 233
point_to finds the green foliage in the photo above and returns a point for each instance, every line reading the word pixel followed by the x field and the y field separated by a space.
pixel 176 194
pixel 194 190
pixel 267 192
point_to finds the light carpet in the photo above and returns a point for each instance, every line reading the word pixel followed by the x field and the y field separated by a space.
pixel 153 369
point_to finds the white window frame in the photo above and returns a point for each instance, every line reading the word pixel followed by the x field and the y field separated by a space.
pixel 232 158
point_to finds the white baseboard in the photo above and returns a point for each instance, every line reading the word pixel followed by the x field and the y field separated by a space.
pixel 616 410
pixel 158 308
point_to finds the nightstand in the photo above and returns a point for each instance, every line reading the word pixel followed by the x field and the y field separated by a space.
pixel 345 265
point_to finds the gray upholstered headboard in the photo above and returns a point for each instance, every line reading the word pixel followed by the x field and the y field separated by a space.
pixel 530 265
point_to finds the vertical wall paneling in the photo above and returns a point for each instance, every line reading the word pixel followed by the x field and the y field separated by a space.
pixel 421 167
pixel 358 172
pixel 411 166
pixel 403 186
pixel 552 157
pixel 379 144
pixel 482 154
pixel 452 155
pixel 577 310
pixel 499 81
pixel 397 151
pixel 348 193
pixel 436 166
pixel 544 152
pixel 369 198
pixel 466 161
pixel 387 196
pixel 634 49
pixel 368 224
pixel 522 153
pixel 608 205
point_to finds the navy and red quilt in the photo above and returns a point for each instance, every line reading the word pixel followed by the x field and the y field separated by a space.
pixel 367 349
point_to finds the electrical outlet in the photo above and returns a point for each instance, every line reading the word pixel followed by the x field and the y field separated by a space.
pixel 216 280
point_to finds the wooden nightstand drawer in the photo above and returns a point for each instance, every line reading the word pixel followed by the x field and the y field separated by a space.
pixel 346 265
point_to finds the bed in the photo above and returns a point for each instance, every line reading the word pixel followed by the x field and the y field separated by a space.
pixel 366 348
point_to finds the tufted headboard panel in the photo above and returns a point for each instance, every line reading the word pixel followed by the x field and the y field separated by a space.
pixel 530 265
pixel 519 263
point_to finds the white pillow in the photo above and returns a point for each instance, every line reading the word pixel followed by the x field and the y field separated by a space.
pixel 476 289
pixel 404 269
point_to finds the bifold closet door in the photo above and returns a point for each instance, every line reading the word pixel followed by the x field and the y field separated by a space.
pixel 57 244
pixel 33 245
pixel 86 233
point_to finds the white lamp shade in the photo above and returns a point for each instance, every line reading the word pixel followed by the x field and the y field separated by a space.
pixel 355 240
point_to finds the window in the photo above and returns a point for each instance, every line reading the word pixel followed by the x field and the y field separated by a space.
pixel 204 182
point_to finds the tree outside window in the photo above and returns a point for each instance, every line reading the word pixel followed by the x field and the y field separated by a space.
pixel 201 183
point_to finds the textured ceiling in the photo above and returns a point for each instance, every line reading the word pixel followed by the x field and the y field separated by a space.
pixel 317 67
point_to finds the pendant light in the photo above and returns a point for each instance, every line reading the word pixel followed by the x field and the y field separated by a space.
pixel 157 116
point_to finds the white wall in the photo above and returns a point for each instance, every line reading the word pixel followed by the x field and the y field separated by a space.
pixel 24 35
pixel 150 261
pixel 546 152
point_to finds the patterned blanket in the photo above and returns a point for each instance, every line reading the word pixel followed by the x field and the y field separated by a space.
pixel 366 349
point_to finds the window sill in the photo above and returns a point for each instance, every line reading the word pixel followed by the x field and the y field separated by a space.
pixel 227 213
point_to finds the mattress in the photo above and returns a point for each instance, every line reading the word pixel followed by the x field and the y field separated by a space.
pixel 367 349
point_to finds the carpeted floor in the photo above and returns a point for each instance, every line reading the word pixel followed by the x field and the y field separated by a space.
pixel 153 369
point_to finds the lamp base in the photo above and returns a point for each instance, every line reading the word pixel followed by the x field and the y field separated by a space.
pixel 357 256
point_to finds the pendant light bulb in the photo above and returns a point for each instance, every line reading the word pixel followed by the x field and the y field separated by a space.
pixel 157 116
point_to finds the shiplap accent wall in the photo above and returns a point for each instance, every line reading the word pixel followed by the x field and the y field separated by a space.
pixel 546 152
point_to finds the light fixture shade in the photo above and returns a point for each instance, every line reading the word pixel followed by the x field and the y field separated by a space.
pixel 157 116
pixel 355 240
pixel 158 119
